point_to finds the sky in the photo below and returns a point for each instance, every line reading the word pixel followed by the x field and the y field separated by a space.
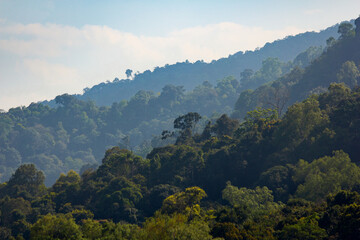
pixel 52 47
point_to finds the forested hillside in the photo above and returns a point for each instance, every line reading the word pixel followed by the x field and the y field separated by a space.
pixel 76 133
pixel 294 177
pixel 191 75
pixel 288 168
pixel 338 63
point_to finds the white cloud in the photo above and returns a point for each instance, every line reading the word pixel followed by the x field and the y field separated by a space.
pixel 311 12
pixel 39 40
pixel 9 101
pixel 51 75
pixel 67 59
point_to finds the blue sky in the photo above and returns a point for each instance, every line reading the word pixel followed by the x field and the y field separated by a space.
pixel 52 47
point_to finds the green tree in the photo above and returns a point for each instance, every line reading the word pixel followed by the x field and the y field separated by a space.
pixel 345 29
pixel 178 165
pixel 184 202
pixel 227 231
pixel 66 100
pixel 120 162
pixel 257 124
pixel 342 216
pixel 27 179
pixel 271 70
pixel 299 123
pixel 225 126
pixel 349 74
pixel 357 24
pixel 117 200
pixel 170 95
pixel 187 121
pixel 256 201
pixel 176 226
pixel 56 227
pixel 276 96
pixel 330 42
pixel 325 175
pixel 335 94
pixel 91 229
pixel 128 73
pixel 279 180
pixel 186 124
pixel 245 77
pixel 306 228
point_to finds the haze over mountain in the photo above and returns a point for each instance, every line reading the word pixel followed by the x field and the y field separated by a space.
pixel 274 175
pixel 261 144
pixel 76 133
pixel 53 47
pixel 191 75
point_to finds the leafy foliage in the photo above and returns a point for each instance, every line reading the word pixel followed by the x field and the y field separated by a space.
pixel 326 175
pixel 255 202
pixel 223 179
pixel 337 63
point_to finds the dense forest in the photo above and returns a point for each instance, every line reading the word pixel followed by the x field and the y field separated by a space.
pixel 285 169
pixel 294 177
pixel 76 133
pixel 338 63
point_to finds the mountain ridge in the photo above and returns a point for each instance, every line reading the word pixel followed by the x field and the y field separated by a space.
pixel 191 75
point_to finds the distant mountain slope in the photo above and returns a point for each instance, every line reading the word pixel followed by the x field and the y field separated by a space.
pixel 340 62
pixel 76 133
pixel 190 75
